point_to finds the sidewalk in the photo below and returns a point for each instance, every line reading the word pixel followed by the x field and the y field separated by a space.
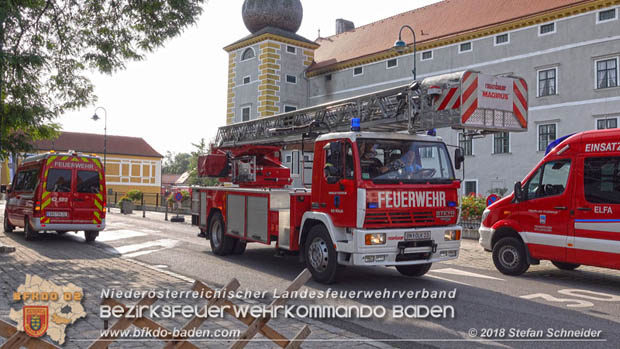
pixel 93 269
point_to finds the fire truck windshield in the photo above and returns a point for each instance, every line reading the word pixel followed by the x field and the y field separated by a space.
pixel 404 161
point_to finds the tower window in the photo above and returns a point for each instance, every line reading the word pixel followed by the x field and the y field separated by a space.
pixel 248 54
pixel 292 79
pixel 358 71
pixel 291 49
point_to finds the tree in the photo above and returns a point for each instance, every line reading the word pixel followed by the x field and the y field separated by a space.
pixel 194 179
pixel 176 163
pixel 46 47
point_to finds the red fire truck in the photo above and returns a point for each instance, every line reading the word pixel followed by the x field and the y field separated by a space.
pixel 566 210
pixel 57 192
pixel 377 196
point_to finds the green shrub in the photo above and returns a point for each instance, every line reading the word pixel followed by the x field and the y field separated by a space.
pixel 135 195
pixel 472 207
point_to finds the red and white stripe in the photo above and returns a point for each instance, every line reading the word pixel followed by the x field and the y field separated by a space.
pixel 469 95
pixel 449 99
pixel 520 101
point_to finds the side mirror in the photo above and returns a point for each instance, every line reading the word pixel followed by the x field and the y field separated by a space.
pixel 458 158
pixel 519 193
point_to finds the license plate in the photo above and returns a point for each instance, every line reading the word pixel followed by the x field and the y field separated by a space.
pixel 56 214
pixel 418 235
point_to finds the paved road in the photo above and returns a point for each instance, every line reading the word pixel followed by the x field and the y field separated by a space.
pixel 486 301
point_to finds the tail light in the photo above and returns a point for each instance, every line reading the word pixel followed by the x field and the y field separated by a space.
pixel 37 206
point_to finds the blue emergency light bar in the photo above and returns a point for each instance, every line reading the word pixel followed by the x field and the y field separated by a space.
pixel 355 124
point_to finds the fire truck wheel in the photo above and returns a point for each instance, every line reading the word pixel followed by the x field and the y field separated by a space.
pixel 320 255
pixel 8 227
pixel 29 234
pixel 91 235
pixel 239 247
pixel 221 244
pixel 61 232
pixel 414 270
pixel 509 256
pixel 566 266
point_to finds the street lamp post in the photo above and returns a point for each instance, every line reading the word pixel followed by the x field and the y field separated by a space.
pixel 401 45
pixel 105 140
pixel 105 133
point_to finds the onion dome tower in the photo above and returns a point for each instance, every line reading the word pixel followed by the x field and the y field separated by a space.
pixel 266 69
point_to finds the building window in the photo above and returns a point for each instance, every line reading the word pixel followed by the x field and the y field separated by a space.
pixel 546 135
pixel 392 63
pixel 289 108
pixel 291 79
pixel 547 82
pixel 291 49
pixel 467 143
pixel 501 143
pixel 471 187
pixel 246 80
pixel 545 29
pixel 502 39
pixel 328 77
pixel 427 55
pixel 607 15
pixel 607 73
pixel 606 123
pixel 465 47
pixel 245 114
pixel 248 54
pixel 358 71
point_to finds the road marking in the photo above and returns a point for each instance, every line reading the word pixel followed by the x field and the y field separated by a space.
pixel 142 253
pixel 440 278
pixel 452 271
pixel 150 231
pixel 166 243
pixel 113 235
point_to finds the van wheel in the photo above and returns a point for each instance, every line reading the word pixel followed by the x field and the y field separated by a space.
pixel 414 270
pixel 509 256
pixel 29 234
pixel 566 266
pixel 320 255
pixel 8 227
pixel 221 244
pixel 240 246
pixel 91 235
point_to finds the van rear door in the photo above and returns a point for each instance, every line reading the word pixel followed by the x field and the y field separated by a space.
pixel 56 197
pixel 597 212
pixel 88 199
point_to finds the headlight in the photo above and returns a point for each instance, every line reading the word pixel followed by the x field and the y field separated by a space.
pixel 375 239
pixel 485 214
pixel 451 235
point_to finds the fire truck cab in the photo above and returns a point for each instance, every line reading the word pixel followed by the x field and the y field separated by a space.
pixel 566 210
pixel 57 192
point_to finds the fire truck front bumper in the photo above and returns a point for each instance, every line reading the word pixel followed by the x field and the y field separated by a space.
pixel 390 247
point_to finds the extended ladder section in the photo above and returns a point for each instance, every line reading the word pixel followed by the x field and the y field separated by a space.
pixel 466 100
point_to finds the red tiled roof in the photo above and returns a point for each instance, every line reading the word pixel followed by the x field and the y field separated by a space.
pixel 439 20
pixel 93 143
pixel 169 178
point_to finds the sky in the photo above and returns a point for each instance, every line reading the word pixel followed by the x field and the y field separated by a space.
pixel 177 94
